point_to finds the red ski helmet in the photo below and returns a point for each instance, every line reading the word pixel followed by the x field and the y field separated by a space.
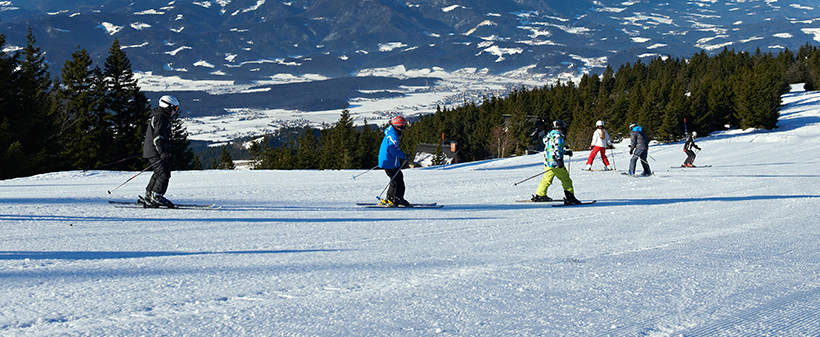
pixel 399 122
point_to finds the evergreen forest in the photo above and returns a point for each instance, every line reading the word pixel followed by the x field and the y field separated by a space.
pixel 667 96
pixel 92 117
pixel 86 118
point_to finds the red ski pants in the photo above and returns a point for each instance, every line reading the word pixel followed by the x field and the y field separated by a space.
pixel 595 150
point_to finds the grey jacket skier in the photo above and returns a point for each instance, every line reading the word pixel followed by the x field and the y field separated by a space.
pixel 638 149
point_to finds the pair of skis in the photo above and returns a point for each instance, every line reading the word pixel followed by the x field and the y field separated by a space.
pixel 434 205
pixel 702 166
pixel 555 202
pixel 383 204
pixel 140 204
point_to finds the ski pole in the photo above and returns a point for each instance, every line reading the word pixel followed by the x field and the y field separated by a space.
pixel 113 163
pixel 129 179
pixel 516 184
pixel 613 160
pixel 647 163
pixel 360 174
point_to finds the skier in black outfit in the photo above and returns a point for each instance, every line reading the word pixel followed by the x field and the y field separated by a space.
pixel 155 149
pixel 687 147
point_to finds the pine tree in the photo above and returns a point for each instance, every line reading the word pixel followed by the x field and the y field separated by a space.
pixel 182 157
pixel 27 132
pixel 306 154
pixel 338 144
pixel 257 152
pixel 11 151
pixel 675 110
pixel 39 131
pixel 225 161
pixel 127 105
pixel 811 64
pixel 758 97
pixel 438 157
pixel 84 126
pixel 367 146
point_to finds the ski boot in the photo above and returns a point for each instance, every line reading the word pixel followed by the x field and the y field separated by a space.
pixel 646 174
pixel 401 202
pixel 146 200
pixel 569 199
pixel 588 168
pixel 389 202
pixel 158 200
pixel 540 198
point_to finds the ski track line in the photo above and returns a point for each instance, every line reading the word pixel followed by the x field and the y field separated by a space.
pixel 793 314
pixel 480 227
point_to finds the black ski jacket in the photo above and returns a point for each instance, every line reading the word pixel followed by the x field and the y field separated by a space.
pixel 158 133
pixel 690 143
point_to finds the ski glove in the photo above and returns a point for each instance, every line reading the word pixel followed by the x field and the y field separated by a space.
pixel 559 163
pixel 568 153
pixel 165 156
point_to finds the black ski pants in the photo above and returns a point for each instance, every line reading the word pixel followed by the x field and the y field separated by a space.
pixel 162 174
pixel 396 187
pixel 690 157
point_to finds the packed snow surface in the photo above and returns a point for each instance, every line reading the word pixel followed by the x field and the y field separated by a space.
pixel 727 250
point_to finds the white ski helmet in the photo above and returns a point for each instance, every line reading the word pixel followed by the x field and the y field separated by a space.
pixel 168 101
pixel 694 134
pixel 599 124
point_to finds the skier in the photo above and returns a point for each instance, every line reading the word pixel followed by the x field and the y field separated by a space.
pixel 687 147
pixel 638 149
pixel 554 153
pixel 155 149
pixel 390 160
pixel 600 142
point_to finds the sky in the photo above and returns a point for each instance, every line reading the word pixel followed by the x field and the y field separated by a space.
pixel 725 250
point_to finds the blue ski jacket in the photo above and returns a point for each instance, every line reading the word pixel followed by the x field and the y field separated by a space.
pixel 389 152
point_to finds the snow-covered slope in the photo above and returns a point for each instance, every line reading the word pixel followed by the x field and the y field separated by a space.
pixel 726 250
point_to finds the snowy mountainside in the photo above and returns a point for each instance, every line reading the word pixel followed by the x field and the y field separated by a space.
pixel 246 40
pixel 725 250
pixel 478 48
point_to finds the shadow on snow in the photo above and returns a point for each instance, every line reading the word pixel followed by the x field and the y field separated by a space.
pixel 90 255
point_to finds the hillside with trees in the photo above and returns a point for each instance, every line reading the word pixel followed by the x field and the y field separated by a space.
pixel 89 117
pixel 93 118
pixel 666 96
